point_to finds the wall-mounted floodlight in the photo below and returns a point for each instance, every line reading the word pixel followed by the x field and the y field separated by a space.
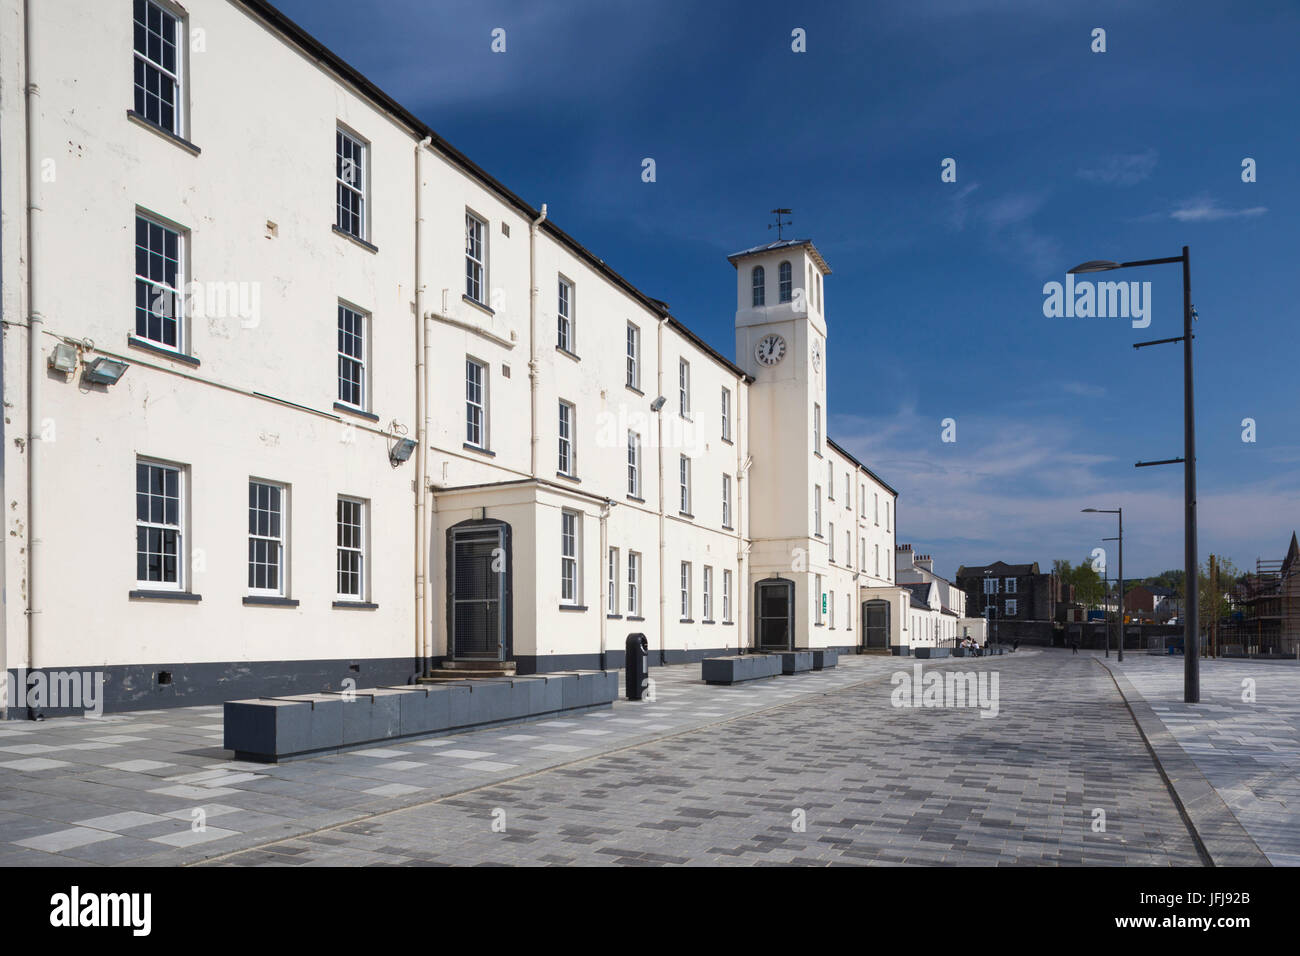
pixel 63 358
pixel 658 403
pixel 401 451
pixel 105 371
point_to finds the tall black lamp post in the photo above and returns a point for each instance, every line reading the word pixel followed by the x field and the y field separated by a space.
pixel 1119 615
pixel 1191 635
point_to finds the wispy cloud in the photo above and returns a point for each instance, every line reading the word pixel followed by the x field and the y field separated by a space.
pixel 1204 209
pixel 1007 221
pixel 1012 488
pixel 1120 169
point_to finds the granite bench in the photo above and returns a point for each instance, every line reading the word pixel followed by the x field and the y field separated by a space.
pixel 825 659
pixel 270 729
pixel 794 662
pixel 736 669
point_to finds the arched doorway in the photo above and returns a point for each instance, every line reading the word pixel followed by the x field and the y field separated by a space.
pixel 774 615
pixel 875 625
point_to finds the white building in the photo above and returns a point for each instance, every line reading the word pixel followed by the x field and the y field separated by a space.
pixel 938 605
pixel 297 392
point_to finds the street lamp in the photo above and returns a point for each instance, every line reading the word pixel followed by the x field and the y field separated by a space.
pixel 1119 586
pixel 1191 638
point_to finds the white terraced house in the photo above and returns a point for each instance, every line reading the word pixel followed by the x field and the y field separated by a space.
pixel 296 392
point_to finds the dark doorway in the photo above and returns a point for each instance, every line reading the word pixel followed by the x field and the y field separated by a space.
pixel 479 574
pixel 774 617
pixel 875 625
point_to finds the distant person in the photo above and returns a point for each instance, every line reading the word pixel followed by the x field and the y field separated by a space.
pixel 1074 645
pixel 1015 645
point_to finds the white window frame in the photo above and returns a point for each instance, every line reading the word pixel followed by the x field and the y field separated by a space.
pixel 352 175
pixel 360 549
pixel 686 590
pixel 564 316
pixel 1011 586
pixel 174 294
pixel 785 282
pixel 707 592
pixel 633 464
pixel 726 413
pixel 830 480
pixel 570 558
pixel 633 583
pixel 758 287
pixel 726 595
pixel 830 607
pixel 877 507
pixel 848 494
pixel 476 403
pixel 817 509
pixel 830 540
pixel 817 427
pixel 848 548
pixel 684 387
pixel 566 423
pixel 990 584
pixel 280 541
pixel 612 602
pixel 684 480
pixel 633 356
pixel 817 598
pixel 178 528
pixel 476 258
pixel 1011 606
pixel 176 75
pixel 362 320
pixel 862 554
pixel 726 501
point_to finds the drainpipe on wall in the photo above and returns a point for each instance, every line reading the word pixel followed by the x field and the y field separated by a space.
pixel 533 372
pixel 422 648
pixel 604 578
pixel 659 443
pixel 35 323
pixel 742 546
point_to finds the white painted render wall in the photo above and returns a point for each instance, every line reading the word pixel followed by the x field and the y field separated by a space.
pixel 260 403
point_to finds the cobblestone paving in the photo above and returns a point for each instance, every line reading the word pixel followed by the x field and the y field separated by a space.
pixel 1249 751
pixel 875 783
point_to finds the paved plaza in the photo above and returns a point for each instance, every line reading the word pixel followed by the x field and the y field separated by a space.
pixel 1248 749
pixel 816 768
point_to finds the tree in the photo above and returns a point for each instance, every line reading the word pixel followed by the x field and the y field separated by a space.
pixel 1212 603
pixel 1088 587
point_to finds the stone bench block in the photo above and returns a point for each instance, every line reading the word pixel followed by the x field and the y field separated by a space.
pixel 825 659
pixel 739 668
pixel 794 662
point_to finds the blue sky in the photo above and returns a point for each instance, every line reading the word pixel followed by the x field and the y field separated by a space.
pixel 935 306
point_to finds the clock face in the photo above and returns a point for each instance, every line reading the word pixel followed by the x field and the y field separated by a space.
pixel 770 350
pixel 817 356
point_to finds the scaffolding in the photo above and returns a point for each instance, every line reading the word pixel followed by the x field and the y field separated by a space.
pixel 1266 610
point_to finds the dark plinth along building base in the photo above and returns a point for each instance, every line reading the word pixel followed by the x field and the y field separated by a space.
pixel 929 653
pixel 734 670
pixel 825 659
pixel 271 729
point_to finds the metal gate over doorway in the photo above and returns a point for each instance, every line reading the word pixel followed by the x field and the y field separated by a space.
pixel 875 625
pixel 774 617
pixel 478 591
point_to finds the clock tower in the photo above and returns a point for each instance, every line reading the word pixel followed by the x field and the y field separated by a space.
pixel 781 342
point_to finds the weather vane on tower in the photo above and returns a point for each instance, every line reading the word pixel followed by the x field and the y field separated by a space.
pixel 779 224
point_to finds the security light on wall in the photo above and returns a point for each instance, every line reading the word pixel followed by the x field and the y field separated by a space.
pixel 63 358
pixel 657 404
pixel 401 451
pixel 104 371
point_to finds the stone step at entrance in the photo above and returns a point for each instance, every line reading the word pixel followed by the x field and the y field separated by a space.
pixel 462 670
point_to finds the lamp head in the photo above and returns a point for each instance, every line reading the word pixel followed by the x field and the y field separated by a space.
pixel 1095 265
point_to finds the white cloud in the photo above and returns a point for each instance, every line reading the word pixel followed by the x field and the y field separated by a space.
pixel 1120 169
pixel 1204 209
